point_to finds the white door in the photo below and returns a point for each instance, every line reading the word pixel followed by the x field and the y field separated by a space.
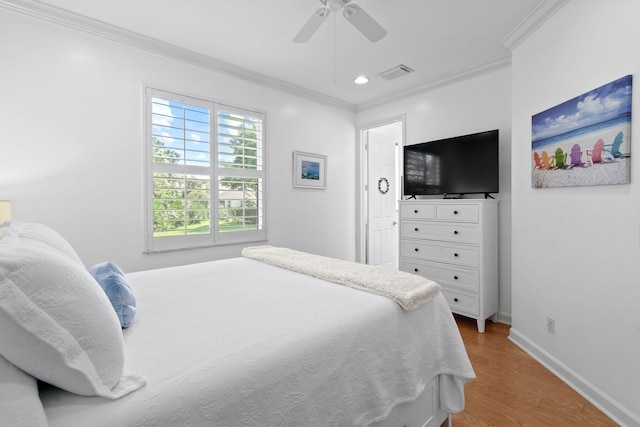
pixel 382 185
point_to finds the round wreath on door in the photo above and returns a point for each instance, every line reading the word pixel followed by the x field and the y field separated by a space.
pixel 383 185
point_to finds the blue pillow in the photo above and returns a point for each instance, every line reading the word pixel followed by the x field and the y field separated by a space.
pixel 111 278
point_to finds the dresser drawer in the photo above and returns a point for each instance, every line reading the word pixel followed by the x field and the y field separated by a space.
pixel 461 233
pixel 460 277
pixel 462 302
pixel 459 212
pixel 440 252
pixel 417 211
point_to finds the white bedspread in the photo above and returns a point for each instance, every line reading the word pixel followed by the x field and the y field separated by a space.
pixel 239 342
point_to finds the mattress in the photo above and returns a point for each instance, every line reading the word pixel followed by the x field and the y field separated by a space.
pixel 240 342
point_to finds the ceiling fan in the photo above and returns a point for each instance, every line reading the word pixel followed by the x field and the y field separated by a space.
pixel 352 12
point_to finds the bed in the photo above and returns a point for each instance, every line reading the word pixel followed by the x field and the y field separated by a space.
pixel 241 341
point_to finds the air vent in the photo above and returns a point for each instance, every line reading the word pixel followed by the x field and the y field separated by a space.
pixel 395 72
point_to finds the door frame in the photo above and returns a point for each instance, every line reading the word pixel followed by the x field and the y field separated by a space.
pixel 362 208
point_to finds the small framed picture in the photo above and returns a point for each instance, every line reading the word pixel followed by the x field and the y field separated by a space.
pixel 309 170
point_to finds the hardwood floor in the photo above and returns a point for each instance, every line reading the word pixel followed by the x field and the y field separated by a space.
pixel 513 389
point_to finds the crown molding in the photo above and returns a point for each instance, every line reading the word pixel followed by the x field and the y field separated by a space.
pixel 38 10
pixel 444 80
pixel 532 22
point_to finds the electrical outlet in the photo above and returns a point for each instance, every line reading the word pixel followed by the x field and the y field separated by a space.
pixel 551 325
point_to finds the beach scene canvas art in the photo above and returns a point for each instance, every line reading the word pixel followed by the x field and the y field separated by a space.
pixel 584 141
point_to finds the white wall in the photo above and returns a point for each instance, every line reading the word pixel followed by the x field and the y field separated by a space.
pixel 71 156
pixel 576 251
pixel 473 105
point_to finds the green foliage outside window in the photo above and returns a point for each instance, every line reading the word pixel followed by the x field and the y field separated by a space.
pixel 183 172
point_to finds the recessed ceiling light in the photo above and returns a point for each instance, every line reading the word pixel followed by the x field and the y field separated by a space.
pixel 360 80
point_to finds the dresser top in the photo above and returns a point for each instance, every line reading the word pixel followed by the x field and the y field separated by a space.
pixel 451 201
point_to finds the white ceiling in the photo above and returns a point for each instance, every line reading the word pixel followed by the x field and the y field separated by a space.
pixel 439 39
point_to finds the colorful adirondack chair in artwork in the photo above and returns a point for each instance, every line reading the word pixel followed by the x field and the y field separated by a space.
pixel 547 162
pixel 595 155
pixel 538 161
pixel 560 158
pixel 576 155
pixel 615 147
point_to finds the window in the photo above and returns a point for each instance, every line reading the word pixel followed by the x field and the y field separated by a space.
pixel 205 173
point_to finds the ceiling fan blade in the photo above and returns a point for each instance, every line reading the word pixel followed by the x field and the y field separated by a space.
pixel 312 25
pixel 363 22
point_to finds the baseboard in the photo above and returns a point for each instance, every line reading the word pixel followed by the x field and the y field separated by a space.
pixel 602 401
pixel 503 317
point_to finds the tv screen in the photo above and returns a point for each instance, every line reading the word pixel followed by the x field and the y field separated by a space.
pixel 461 165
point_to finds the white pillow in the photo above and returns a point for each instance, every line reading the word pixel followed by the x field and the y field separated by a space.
pixel 46 235
pixel 57 323
pixel 19 400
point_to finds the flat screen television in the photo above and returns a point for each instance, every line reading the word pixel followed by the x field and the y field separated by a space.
pixel 452 167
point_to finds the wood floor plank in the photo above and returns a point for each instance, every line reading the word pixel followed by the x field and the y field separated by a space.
pixel 513 389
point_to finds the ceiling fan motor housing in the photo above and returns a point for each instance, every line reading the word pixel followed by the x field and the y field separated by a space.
pixel 352 12
pixel 336 5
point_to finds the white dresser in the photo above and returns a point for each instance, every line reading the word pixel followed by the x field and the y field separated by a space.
pixel 455 243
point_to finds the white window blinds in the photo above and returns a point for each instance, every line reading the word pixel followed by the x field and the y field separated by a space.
pixel 201 190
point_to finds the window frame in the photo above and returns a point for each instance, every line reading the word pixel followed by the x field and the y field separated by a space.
pixel 214 237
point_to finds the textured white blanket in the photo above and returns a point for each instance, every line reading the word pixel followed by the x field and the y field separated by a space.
pixel 408 290
pixel 241 342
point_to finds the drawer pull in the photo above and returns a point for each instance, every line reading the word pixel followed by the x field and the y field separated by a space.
pixel 455 212
pixel 416 228
pixel 455 232
pixel 453 254
pixel 416 249
pixel 455 277
pixel 415 211
pixel 455 299
pixel 415 269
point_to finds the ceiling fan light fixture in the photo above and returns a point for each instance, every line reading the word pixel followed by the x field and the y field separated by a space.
pixel 361 80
